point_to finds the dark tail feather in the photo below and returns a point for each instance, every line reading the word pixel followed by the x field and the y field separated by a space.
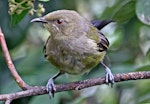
pixel 99 24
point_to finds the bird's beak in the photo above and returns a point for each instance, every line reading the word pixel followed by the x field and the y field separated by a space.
pixel 41 19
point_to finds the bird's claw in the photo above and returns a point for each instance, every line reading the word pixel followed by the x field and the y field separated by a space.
pixel 109 77
pixel 50 87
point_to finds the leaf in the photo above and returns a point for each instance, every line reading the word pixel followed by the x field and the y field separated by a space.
pixel 56 100
pixel 15 19
pixel 126 12
pixel 144 68
pixel 45 99
pixel 144 99
pixel 144 39
pixel 142 11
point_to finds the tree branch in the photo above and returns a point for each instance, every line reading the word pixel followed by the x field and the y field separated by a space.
pixel 10 64
pixel 78 85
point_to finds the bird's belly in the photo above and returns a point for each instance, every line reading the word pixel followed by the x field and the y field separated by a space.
pixel 75 64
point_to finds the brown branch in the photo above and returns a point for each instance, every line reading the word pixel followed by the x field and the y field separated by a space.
pixel 10 64
pixel 98 81
pixel 40 90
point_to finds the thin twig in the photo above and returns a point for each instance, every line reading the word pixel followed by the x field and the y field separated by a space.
pixel 7 101
pixel 10 64
pixel 40 90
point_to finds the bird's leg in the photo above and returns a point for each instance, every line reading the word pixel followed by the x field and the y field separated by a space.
pixel 50 86
pixel 109 76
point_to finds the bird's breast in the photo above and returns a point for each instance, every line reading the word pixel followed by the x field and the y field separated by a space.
pixel 73 57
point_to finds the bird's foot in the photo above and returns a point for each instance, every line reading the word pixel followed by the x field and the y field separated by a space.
pixel 109 77
pixel 50 87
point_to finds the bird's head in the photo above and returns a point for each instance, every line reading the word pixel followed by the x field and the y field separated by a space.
pixel 63 22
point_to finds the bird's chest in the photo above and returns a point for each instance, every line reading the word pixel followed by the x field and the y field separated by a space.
pixel 65 60
pixel 70 58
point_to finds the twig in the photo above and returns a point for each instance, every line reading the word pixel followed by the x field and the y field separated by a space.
pixel 8 102
pixel 10 64
pixel 40 90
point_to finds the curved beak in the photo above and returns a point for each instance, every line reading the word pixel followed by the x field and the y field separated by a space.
pixel 41 19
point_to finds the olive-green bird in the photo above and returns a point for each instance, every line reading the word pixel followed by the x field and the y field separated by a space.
pixel 75 46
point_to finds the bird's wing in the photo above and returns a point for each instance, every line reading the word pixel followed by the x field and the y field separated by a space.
pixel 103 43
pixel 100 39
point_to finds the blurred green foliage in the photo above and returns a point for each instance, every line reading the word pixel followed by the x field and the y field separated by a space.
pixel 129 37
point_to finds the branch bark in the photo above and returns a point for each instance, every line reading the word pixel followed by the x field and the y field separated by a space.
pixel 10 64
pixel 78 85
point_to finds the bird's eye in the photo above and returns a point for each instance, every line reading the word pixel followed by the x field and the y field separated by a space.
pixel 60 21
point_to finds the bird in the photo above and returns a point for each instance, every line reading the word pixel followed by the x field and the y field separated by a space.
pixel 75 45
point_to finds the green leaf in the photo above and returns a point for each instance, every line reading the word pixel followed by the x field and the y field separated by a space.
pixel 15 19
pixel 144 99
pixel 144 68
pixel 142 11
pixel 144 39
pixel 126 12
pixel 45 99
pixel 56 100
